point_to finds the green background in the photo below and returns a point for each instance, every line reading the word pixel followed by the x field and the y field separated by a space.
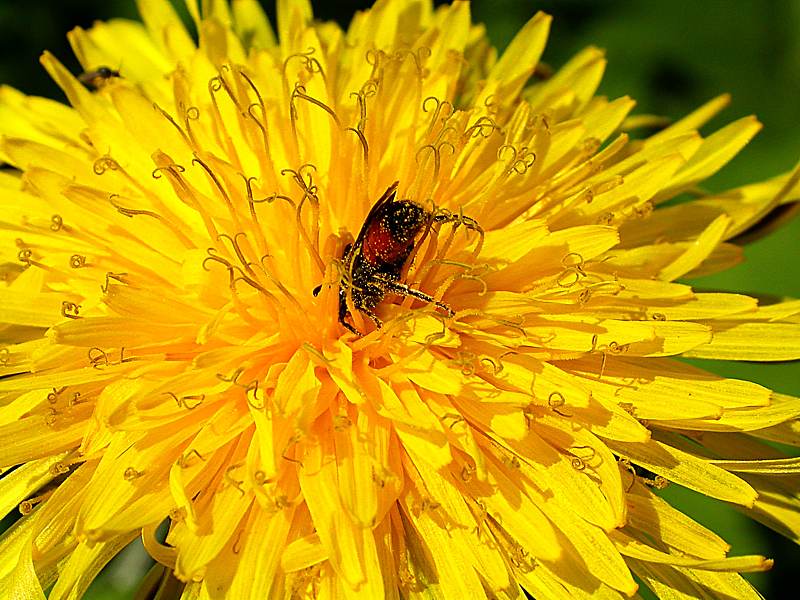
pixel 671 56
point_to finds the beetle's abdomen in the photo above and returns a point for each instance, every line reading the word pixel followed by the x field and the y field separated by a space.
pixel 389 239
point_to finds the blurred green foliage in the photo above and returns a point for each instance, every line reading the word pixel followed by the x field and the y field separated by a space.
pixel 671 56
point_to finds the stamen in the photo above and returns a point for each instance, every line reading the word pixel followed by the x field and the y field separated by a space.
pixel 425 504
pixel 495 364
pixel 234 378
pixel 466 362
pixel 437 112
pixel 521 160
pixel 311 64
pixel 455 418
pixel 341 423
pixel 255 89
pixel 607 218
pixel 440 140
pixel 517 327
pixel 260 478
pixel 251 282
pixel 24 256
pixel 183 401
pixel 236 547
pixel 363 141
pixel 233 279
pixel 234 482
pixel 581 463
pixel 483 127
pixel 490 105
pixel 519 557
pixel 595 349
pixel 169 118
pixel 51 417
pixel 265 157
pixel 103 164
pixel 231 210
pixel 300 92
pixel 254 389
pixel 156 174
pixel 62 468
pixel 130 212
pixel 316 353
pixel 616 348
pixel 370 87
pixel 257 120
pixel 215 84
pixel 555 401
pixel 98 357
pixel 442 215
pixel 26 506
pixel 177 515
pixel 373 57
pixel 310 193
pixel 131 473
pixel 116 277
pixel 659 482
pixel 52 397
pixel 192 113
pixel 437 163
pixel 228 90
pixel 571 270
pixel 577 463
pixel 361 100
pixel 643 211
pixel 251 203
pixel 276 196
pixel 292 441
pixel 238 250
pixel 70 310
pixel 419 56
pixel 467 473
pixel 183 461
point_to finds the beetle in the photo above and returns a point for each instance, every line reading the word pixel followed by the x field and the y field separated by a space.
pixel 374 262
pixel 94 80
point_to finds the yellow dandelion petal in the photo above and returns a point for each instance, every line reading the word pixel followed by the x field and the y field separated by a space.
pixel 374 313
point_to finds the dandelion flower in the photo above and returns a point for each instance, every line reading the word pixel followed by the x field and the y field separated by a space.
pixel 167 366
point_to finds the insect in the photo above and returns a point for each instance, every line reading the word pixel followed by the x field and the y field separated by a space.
pixel 94 80
pixel 373 264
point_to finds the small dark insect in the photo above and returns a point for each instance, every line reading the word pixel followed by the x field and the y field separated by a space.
pixel 374 263
pixel 94 80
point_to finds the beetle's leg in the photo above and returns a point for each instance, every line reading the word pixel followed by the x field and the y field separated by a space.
pixel 442 215
pixel 373 317
pixel 350 328
pixel 402 289
pixel 343 311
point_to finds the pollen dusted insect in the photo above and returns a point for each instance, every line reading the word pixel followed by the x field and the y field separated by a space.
pixel 374 263
pixel 94 80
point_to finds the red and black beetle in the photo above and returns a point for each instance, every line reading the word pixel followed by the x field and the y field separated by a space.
pixel 373 264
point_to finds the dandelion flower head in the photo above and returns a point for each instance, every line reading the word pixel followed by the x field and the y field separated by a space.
pixel 165 365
